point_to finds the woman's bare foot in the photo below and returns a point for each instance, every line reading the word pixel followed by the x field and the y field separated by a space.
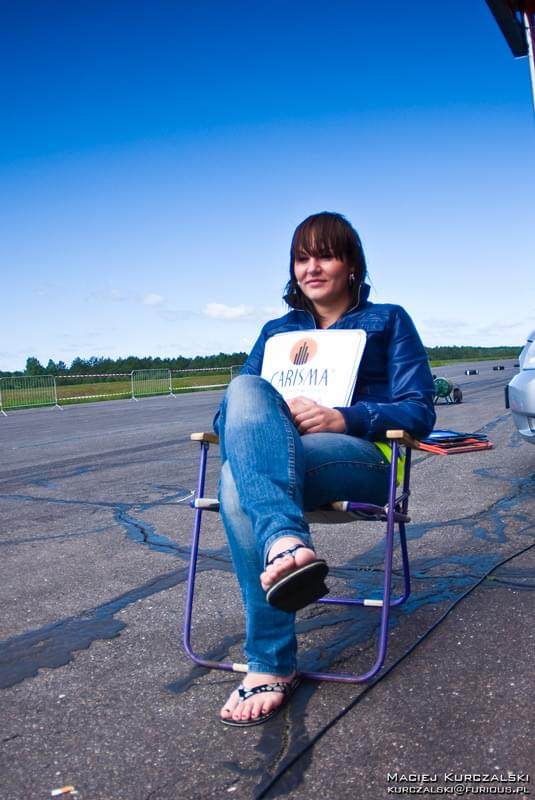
pixel 286 564
pixel 258 705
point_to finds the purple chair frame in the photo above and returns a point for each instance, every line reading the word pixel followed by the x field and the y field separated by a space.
pixel 394 513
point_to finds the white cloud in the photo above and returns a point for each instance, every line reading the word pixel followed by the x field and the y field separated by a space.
pixel 272 312
pixel 222 311
pixel 116 294
pixel 152 299
pixel 275 311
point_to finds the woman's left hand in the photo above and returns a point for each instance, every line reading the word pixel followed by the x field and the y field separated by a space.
pixel 310 417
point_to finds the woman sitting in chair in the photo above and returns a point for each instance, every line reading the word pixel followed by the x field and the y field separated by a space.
pixel 282 458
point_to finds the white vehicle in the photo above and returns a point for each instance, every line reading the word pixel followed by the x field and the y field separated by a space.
pixel 520 392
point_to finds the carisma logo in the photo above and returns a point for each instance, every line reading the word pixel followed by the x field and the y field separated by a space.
pixel 303 351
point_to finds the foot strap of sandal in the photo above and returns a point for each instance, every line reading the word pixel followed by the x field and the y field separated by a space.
pixel 289 552
pixel 281 687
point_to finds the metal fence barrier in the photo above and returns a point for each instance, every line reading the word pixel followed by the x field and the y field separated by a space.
pixel 43 390
pixel 27 392
pixel 150 382
pixel 187 380
pixel 96 386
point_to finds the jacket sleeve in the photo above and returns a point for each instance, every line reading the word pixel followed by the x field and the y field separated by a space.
pixel 411 389
pixel 253 365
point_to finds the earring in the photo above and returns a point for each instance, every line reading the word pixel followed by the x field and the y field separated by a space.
pixel 351 279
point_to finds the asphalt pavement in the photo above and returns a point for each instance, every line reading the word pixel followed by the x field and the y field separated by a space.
pixel 98 694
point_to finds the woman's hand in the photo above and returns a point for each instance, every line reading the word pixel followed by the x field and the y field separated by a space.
pixel 310 417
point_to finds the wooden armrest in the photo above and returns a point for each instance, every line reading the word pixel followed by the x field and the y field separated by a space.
pixel 402 437
pixel 210 437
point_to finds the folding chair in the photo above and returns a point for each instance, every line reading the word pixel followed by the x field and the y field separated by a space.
pixel 394 513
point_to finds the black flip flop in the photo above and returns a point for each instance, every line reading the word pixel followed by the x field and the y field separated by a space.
pixel 300 587
pixel 286 689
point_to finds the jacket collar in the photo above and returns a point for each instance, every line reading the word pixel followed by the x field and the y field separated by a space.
pixel 363 298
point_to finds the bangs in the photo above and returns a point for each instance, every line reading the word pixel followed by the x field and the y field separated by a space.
pixel 322 235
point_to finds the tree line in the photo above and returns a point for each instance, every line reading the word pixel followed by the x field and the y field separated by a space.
pixel 105 366
pixel 102 366
pixel 469 353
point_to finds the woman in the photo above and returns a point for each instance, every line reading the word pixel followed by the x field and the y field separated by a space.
pixel 279 459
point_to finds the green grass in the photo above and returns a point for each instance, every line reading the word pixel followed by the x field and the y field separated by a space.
pixel 119 388
pixel 90 392
pixel 449 362
pixel 93 390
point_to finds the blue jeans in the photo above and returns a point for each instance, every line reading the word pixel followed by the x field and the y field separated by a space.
pixel 270 475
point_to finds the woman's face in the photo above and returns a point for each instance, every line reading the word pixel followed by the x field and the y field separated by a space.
pixel 323 279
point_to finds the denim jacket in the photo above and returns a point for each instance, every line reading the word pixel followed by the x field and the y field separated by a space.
pixel 394 387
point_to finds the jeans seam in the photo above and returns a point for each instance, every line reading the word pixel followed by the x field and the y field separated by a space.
pixel 291 452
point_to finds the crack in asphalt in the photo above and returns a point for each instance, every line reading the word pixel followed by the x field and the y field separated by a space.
pixel 53 645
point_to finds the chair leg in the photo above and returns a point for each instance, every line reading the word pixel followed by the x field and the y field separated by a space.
pixel 199 660
pixel 405 567
pixel 402 532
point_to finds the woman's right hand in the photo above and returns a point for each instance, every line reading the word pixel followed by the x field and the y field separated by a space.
pixel 311 417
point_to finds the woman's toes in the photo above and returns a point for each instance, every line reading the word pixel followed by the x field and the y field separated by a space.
pixel 256 707
pixel 237 709
pixel 274 571
pixel 230 706
pixel 249 711
pixel 284 565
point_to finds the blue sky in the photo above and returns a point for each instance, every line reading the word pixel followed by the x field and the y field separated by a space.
pixel 156 156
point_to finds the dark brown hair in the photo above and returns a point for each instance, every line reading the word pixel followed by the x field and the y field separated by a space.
pixel 322 233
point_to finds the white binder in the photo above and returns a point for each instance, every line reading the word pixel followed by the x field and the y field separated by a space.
pixel 319 364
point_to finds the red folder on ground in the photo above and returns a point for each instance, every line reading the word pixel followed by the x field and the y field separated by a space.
pixel 447 443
